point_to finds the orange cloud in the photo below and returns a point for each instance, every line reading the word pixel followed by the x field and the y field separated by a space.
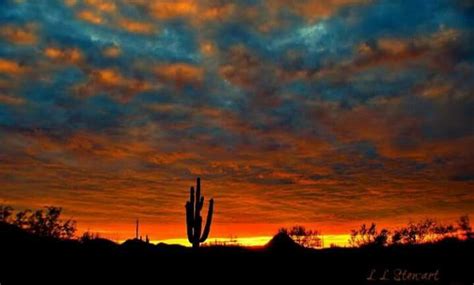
pixel 393 46
pixel 436 91
pixel 217 12
pixel 70 3
pixel 180 73
pixel 376 124
pixel 195 11
pixel 20 35
pixel 112 51
pixel 170 158
pixel 382 122
pixel 167 9
pixel 110 77
pixel 114 83
pixel 207 48
pixel 105 147
pixel 199 12
pixel 397 46
pixel 244 69
pixel 397 51
pixel 90 17
pixel 240 66
pixel 68 55
pixel 166 108
pixel 102 5
pixel 11 67
pixel 309 9
pixel 11 100
pixel 137 27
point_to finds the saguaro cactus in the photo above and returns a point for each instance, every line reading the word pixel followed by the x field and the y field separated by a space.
pixel 193 216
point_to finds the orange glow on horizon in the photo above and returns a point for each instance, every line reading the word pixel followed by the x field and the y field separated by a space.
pixel 255 241
pixel 242 235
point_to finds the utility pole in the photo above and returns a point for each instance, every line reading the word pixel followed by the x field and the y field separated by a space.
pixel 136 230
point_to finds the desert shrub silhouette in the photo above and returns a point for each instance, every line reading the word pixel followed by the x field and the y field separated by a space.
pixel 369 236
pixel 44 223
pixel 5 213
pixel 464 227
pixel 89 236
pixel 424 231
pixel 427 230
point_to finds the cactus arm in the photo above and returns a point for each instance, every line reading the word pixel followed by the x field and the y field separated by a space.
pixel 189 222
pixel 191 196
pixel 197 214
pixel 207 227
pixel 201 203
pixel 198 197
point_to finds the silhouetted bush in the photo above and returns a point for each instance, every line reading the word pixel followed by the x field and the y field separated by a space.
pixel 88 236
pixel 369 236
pixel 45 223
pixel 464 227
pixel 414 233
pixel 427 230
pixel 5 213
pixel 303 237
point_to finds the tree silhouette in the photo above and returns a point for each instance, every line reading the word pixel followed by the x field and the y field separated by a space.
pixel 45 223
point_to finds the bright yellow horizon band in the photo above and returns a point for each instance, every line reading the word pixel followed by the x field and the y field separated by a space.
pixel 328 240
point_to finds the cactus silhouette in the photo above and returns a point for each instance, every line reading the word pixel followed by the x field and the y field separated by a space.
pixel 193 216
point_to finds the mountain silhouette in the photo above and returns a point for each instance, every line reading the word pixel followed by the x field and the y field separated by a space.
pixel 282 242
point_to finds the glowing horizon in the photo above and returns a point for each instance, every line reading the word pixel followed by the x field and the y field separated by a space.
pixel 329 240
pixel 325 113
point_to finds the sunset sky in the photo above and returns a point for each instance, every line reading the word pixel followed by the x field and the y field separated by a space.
pixel 327 113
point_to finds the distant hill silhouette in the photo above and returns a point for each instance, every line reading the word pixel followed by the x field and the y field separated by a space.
pixel 282 242
pixel 100 242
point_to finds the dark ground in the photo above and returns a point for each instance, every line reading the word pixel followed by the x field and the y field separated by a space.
pixel 27 259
